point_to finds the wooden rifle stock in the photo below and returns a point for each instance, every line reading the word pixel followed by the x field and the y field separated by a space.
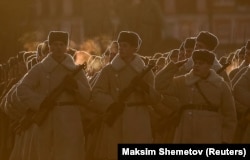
pixel 112 113
pixel 115 112
pixel 223 67
pixel 47 104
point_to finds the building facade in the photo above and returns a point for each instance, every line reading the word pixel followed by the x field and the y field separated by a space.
pixel 154 19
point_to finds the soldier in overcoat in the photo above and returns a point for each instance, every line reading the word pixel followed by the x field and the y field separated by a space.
pixel 60 136
pixel 133 123
pixel 207 112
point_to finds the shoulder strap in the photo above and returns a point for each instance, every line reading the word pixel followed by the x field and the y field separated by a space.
pixel 202 94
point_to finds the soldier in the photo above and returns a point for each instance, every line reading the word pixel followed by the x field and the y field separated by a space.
pixel 160 63
pixel 133 123
pixel 43 51
pixel 182 52
pixel 17 70
pixel 113 50
pixel 21 64
pixel 241 56
pixel 189 45
pixel 39 52
pixel 237 72
pixel 174 55
pixel 241 93
pixel 208 41
pixel 27 56
pixel 60 135
pixel 94 69
pixel 207 112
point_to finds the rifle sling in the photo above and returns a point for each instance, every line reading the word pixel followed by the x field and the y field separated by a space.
pixel 202 94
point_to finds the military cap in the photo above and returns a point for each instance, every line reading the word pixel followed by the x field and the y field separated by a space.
pixel 209 39
pixel 58 36
pixel 189 42
pixel 204 55
pixel 130 37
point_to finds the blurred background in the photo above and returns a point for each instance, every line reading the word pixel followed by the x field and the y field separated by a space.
pixel 92 24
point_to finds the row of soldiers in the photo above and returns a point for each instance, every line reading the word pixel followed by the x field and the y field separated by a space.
pixel 52 108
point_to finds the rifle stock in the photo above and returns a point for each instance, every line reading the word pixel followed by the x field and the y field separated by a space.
pixel 223 67
pixel 45 107
pixel 114 110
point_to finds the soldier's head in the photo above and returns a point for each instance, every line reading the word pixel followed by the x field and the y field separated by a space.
pixel 174 55
pixel 203 61
pixel 206 40
pixel 13 67
pixel 189 45
pixel 39 51
pixel 247 51
pixel 113 50
pixel 129 43
pixel 27 54
pixel 20 56
pixel 182 52
pixel 160 63
pixel 58 42
pixel 45 48
pixel 241 54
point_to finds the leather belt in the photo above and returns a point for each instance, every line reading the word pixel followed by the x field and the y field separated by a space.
pixel 200 107
pixel 134 104
pixel 65 103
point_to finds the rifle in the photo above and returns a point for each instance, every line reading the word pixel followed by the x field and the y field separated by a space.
pixel 39 116
pixel 224 66
pixel 114 110
pixel 241 127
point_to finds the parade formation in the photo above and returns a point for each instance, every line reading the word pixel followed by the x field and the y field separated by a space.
pixel 53 108
pixel 61 101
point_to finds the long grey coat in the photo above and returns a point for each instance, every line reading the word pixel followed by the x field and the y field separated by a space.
pixel 200 126
pixel 134 124
pixel 61 136
pixel 242 94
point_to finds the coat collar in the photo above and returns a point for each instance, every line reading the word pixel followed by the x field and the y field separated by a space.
pixel 189 64
pixel 137 63
pixel 49 64
pixel 213 78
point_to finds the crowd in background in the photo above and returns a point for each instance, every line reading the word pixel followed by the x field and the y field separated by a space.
pixel 233 68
